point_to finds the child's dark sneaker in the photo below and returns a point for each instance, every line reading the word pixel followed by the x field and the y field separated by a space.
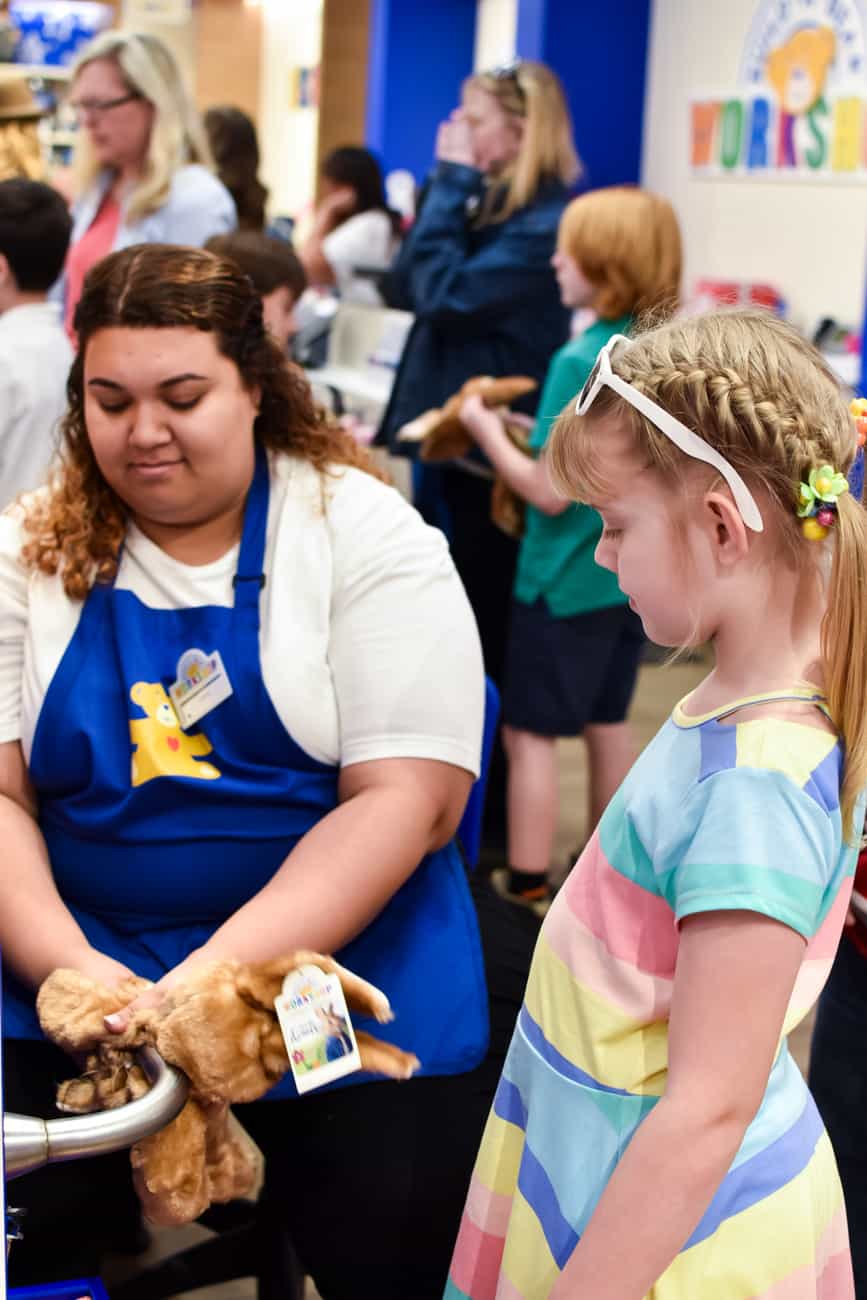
pixel 530 889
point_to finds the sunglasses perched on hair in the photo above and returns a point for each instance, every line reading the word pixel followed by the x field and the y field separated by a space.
pixel 510 71
pixel 689 442
pixel 505 71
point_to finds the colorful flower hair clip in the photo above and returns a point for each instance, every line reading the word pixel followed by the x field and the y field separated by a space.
pixel 818 501
pixel 858 411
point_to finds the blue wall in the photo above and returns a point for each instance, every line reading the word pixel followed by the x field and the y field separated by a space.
pixel 420 52
pixel 599 52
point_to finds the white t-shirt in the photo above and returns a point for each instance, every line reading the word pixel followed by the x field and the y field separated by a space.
pixel 35 356
pixel 367 239
pixel 368 645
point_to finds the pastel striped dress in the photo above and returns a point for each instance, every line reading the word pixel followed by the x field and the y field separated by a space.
pixel 713 816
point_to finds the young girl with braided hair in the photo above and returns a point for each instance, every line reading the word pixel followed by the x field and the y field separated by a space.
pixel 651 1135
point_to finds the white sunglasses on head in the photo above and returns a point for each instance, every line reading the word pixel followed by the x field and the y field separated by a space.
pixel 680 435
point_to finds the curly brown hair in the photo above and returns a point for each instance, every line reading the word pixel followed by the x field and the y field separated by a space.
pixel 78 525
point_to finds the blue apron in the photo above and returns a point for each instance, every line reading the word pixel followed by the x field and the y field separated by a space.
pixel 156 835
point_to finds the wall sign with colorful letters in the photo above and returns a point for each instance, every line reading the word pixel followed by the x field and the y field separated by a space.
pixel 800 108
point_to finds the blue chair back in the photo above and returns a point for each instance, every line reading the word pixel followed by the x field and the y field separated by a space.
pixel 470 829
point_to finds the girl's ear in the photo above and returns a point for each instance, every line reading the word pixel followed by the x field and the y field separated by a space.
pixel 728 530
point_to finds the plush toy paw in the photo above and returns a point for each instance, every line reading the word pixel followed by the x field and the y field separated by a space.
pixel 261 984
pixel 72 1011
pixel 111 1078
pixel 384 1058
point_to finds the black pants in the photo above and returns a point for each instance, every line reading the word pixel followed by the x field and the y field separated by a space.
pixel 74 1212
pixel 485 558
pixel 838 1080
pixel 373 1178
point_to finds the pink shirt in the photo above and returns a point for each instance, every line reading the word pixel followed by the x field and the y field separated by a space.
pixel 95 244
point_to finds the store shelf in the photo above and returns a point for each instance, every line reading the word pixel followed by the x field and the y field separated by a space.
pixel 42 71
pixel 61 138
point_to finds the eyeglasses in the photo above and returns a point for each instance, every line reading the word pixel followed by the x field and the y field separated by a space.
pixel 96 107
pixel 688 442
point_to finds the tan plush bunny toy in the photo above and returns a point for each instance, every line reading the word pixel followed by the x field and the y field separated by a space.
pixel 220 1027
pixel 441 436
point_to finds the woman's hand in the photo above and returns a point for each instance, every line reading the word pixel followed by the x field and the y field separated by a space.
pixel 101 968
pixel 454 141
pixel 156 994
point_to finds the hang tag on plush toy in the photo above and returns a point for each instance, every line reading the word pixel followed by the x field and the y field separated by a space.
pixel 320 1041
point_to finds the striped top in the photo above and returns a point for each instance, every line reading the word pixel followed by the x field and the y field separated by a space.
pixel 713 816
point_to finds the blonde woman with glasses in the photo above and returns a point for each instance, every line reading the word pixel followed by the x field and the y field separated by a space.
pixel 142 164
pixel 475 269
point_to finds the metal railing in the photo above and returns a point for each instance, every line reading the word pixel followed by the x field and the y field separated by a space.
pixel 29 1143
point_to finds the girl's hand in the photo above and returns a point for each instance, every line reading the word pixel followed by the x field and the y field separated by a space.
pixel 454 141
pixel 156 994
pixel 523 421
pixel 477 419
pixel 334 208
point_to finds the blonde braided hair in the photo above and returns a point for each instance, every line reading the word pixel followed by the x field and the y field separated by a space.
pixel 754 389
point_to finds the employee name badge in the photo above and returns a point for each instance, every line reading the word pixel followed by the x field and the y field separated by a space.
pixel 320 1041
pixel 202 683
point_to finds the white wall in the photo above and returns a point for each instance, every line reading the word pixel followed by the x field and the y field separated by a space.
pixel 291 38
pixel 807 239
pixel 173 21
pixel 496 29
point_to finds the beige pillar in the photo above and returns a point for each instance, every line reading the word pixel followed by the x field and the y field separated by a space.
pixel 343 79
pixel 172 20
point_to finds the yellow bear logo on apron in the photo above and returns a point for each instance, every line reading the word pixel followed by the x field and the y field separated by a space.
pixel 161 748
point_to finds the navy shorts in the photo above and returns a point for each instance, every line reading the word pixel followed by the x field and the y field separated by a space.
pixel 565 673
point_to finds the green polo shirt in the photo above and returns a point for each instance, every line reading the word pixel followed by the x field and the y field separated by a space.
pixel 556 556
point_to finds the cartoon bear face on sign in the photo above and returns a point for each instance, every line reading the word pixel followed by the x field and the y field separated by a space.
pixel 798 70
pixel 160 746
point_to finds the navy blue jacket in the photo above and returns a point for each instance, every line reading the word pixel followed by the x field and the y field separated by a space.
pixel 485 298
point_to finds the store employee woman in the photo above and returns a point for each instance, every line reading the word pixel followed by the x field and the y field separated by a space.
pixel 203 506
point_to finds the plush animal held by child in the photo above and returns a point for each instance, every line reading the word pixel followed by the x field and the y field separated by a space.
pixel 441 436
pixel 220 1027
pixel 440 432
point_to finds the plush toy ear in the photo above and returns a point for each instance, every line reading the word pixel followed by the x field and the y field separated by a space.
pixel 234 1165
pixel 505 391
pixel 169 1169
